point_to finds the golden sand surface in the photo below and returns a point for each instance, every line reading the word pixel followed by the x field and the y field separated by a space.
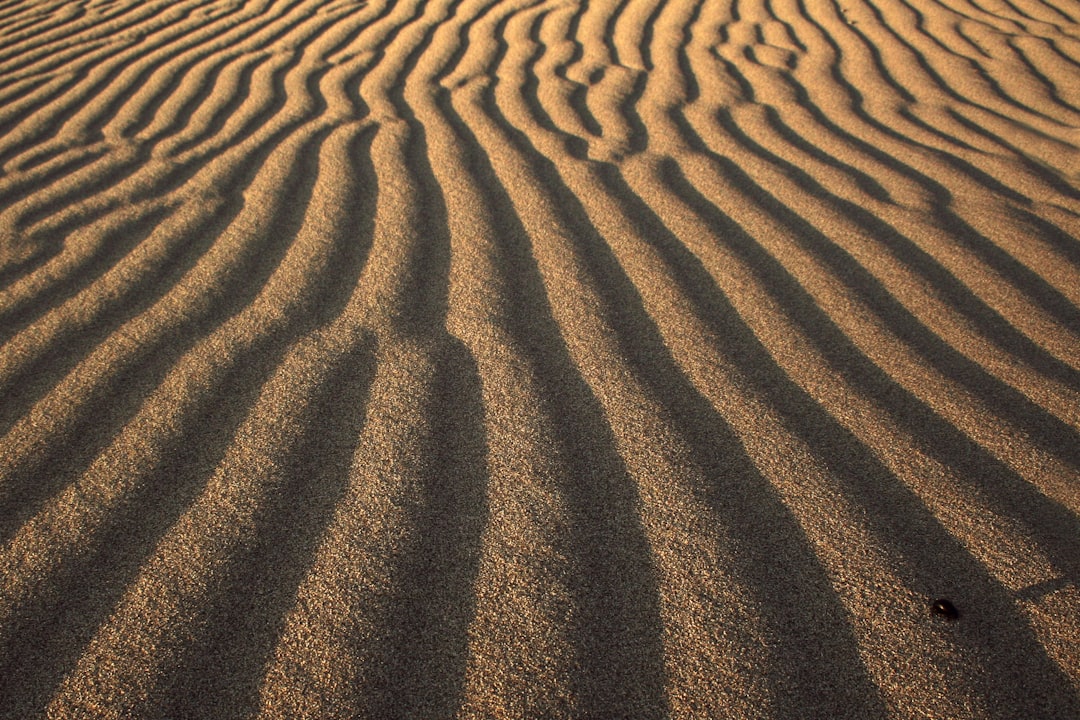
pixel 539 358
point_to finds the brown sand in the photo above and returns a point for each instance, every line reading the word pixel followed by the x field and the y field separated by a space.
pixel 539 358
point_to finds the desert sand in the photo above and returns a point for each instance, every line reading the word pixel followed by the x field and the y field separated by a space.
pixel 539 358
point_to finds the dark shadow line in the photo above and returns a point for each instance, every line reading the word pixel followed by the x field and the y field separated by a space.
pixel 990 323
pixel 571 35
pixel 10 28
pixel 28 486
pixel 794 674
pixel 971 42
pixel 1051 524
pixel 55 63
pixel 609 31
pixel 221 117
pixel 420 666
pixel 421 657
pixel 182 57
pixel 875 53
pixel 227 109
pixel 576 98
pixel 608 277
pixel 180 174
pixel 865 182
pixel 427 310
pixel 1036 592
pixel 279 93
pixel 1074 62
pixel 116 244
pixel 17 270
pixel 36 379
pixel 774 560
pixel 186 112
pixel 51 128
pixel 648 35
pixel 222 665
pixel 21 89
pixel 462 46
pixel 1051 87
pixel 1069 19
pixel 45 100
pixel 955 162
pixel 930 559
pixel 789 28
pixel 118 167
pixel 19 189
pixel 693 87
pixel 745 86
pixel 924 62
pixel 67 39
pixel 638 140
pixel 240 177
pixel 1064 244
pixel 1021 277
pixel 1034 167
pixel 691 412
pixel 617 630
pixel 84 591
pixel 576 146
pixel 46 129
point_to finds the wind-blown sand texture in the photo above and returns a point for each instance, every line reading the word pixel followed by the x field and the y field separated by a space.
pixel 539 358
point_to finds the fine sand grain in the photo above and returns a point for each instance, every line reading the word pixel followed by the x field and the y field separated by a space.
pixel 539 358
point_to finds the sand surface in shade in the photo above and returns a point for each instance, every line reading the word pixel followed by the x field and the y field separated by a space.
pixel 539 358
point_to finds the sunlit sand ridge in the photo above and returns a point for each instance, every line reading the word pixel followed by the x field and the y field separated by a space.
pixel 539 358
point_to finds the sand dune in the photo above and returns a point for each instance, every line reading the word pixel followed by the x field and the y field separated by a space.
pixel 539 358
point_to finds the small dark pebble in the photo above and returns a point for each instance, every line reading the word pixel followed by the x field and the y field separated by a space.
pixel 945 609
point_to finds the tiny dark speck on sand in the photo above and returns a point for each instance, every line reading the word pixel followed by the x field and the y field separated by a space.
pixel 943 608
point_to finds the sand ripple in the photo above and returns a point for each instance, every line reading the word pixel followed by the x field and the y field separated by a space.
pixel 539 358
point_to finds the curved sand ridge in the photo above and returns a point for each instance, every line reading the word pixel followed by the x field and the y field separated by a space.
pixel 539 358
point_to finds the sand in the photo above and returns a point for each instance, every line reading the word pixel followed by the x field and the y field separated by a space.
pixel 539 358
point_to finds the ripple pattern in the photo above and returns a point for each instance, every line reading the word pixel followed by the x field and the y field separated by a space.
pixel 539 358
